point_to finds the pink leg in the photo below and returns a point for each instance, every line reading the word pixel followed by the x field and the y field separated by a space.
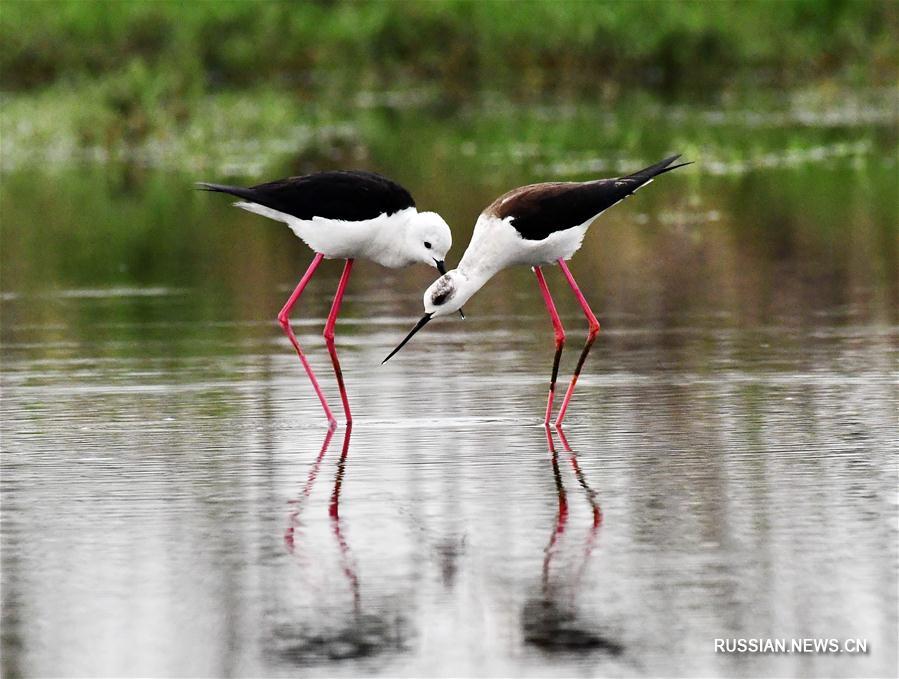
pixel 560 340
pixel 284 320
pixel 591 337
pixel 329 336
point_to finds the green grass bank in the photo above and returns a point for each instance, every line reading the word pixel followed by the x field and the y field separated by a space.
pixel 525 47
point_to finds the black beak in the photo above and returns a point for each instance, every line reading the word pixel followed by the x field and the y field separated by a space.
pixel 422 322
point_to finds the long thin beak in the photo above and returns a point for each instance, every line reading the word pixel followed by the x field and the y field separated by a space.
pixel 422 322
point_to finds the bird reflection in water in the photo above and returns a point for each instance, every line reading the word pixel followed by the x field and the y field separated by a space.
pixel 550 621
pixel 350 635
pixel 293 519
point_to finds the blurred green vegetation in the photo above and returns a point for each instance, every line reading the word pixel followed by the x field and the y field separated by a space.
pixel 462 44
pixel 111 110
pixel 125 71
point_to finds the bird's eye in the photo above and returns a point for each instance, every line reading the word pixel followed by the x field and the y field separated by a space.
pixel 427 245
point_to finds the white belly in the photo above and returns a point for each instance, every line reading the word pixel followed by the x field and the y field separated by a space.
pixel 560 245
pixel 496 244
pixel 373 239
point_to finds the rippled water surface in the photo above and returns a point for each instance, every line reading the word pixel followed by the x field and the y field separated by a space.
pixel 174 505
pixel 190 514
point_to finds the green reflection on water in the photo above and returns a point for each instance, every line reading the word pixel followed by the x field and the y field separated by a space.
pixel 789 211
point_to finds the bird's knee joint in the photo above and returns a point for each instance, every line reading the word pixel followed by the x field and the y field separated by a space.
pixel 283 320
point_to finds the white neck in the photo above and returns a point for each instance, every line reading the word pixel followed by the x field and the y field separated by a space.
pixel 382 246
pixel 486 254
pixel 469 278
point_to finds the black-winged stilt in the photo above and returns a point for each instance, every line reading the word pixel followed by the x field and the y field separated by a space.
pixel 345 215
pixel 535 225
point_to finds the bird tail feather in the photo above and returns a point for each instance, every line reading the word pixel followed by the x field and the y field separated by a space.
pixel 647 173
pixel 239 191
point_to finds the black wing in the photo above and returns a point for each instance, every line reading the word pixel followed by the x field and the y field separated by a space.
pixel 540 210
pixel 346 195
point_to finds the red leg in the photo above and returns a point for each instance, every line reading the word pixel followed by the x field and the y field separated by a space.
pixel 284 320
pixel 591 337
pixel 560 339
pixel 329 336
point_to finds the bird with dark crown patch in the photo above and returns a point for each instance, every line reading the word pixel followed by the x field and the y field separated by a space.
pixel 345 215
pixel 535 225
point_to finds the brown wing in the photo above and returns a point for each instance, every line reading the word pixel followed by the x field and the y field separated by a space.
pixel 539 210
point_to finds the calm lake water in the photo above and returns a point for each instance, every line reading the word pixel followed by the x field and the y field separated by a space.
pixel 174 505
